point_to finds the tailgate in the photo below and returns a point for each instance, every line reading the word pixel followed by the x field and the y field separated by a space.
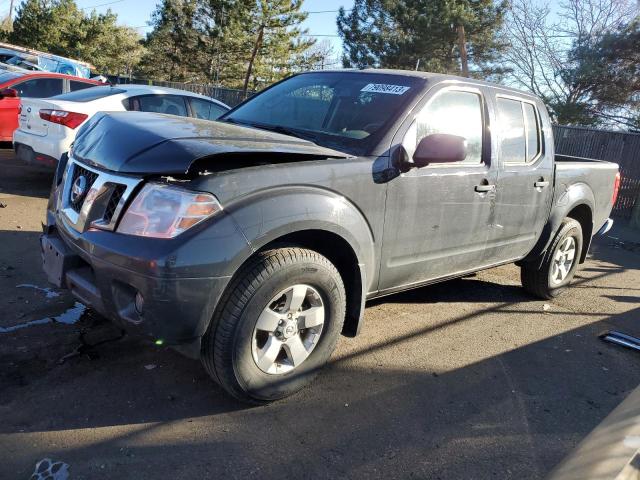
pixel 29 120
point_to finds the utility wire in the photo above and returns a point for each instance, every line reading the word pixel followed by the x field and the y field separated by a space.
pixel 102 4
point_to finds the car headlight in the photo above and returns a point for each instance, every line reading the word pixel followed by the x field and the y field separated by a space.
pixel 163 211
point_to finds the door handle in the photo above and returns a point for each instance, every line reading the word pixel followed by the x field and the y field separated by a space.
pixel 485 188
pixel 541 184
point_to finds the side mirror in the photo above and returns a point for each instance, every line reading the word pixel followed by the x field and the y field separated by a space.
pixel 8 93
pixel 440 148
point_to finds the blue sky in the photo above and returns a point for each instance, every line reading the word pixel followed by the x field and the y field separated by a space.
pixel 136 13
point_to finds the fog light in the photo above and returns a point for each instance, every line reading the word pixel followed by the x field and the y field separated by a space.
pixel 139 303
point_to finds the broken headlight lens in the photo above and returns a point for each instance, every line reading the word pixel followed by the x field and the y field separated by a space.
pixel 163 211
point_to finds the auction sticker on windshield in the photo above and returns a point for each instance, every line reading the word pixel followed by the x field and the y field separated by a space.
pixel 385 88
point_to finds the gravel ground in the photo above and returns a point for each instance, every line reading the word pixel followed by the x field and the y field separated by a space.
pixel 466 379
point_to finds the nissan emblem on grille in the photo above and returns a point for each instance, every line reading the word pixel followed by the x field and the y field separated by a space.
pixel 78 189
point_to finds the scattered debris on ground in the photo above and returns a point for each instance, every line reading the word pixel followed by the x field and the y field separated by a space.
pixel 68 317
pixel 47 469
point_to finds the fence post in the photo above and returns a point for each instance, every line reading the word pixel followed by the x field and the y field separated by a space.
pixel 634 221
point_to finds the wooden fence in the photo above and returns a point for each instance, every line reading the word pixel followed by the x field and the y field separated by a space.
pixel 619 147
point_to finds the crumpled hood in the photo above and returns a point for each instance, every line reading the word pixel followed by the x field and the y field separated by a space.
pixel 153 143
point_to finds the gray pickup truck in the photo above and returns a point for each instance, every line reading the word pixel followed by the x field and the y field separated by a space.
pixel 254 241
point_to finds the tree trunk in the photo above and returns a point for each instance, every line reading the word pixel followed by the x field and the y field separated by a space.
pixel 463 51
pixel 254 53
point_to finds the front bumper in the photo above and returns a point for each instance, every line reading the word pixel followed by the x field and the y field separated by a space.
pixel 605 227
pixel 176 310
pixel 180 280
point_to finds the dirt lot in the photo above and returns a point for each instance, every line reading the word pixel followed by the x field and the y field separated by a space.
pixel 467 379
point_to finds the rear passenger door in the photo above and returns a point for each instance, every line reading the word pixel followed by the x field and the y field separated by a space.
pixel 525 179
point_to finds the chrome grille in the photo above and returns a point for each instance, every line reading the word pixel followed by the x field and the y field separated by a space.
pixel 102 197
pixel 91 177
pixel 114 201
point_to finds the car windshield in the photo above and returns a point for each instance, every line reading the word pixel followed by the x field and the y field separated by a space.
pixel 90 94
pixel 6 76
pixel 347 111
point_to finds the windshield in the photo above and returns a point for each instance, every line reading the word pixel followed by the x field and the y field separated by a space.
pixel 7 76
pixel 348 111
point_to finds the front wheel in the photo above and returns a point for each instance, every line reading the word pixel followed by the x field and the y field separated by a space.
pixel 277 325
pixel 550 275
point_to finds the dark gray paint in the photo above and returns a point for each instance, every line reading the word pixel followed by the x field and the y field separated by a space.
pixel 405 227
pixel 152 143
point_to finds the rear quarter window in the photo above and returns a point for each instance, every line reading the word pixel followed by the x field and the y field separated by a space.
pixel 74 85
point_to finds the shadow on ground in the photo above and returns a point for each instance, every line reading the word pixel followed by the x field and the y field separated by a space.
pixel 384 408
pixel 18 178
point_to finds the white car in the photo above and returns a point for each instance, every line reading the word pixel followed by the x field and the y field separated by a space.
pixel 46 128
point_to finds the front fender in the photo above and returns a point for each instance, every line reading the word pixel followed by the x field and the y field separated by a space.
pixel 267 215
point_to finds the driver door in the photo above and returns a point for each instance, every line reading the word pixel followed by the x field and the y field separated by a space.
pixel 437 218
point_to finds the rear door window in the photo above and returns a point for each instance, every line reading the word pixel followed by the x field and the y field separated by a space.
pixel 39 88
pixel 206 110
pixel 169 104
pixel 519 131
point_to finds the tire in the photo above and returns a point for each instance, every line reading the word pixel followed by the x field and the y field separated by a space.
pixel 539 277
pixel 237 351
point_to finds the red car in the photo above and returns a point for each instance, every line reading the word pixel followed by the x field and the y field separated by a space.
pixel 16 85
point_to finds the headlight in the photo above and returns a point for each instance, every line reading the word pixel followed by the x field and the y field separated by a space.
pixel 163 211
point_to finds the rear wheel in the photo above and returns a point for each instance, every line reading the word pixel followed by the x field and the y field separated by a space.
pixel 277 325
pixel 550 274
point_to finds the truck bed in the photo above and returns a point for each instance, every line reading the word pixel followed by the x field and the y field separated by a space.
pixel 597 177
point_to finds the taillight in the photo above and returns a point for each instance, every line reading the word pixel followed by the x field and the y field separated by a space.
pixel 616 188
pixel 68 119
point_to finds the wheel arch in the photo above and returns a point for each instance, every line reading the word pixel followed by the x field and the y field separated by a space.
pixel 320 220
pixel 576 202
pixel 583 214
pixel 339 252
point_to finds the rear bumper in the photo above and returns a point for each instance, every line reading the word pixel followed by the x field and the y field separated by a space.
pixel 47 150
pixel 175 310
pixel 25 153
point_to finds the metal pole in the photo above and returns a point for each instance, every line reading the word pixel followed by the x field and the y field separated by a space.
pixel 11 15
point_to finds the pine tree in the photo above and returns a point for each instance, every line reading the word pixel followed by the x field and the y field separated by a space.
pixel 171 47
pixel 422 34
pixel 236 43
pixel 47 25
pixel 277 40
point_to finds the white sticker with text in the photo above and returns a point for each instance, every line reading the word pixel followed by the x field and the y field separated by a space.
pixel 385 88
